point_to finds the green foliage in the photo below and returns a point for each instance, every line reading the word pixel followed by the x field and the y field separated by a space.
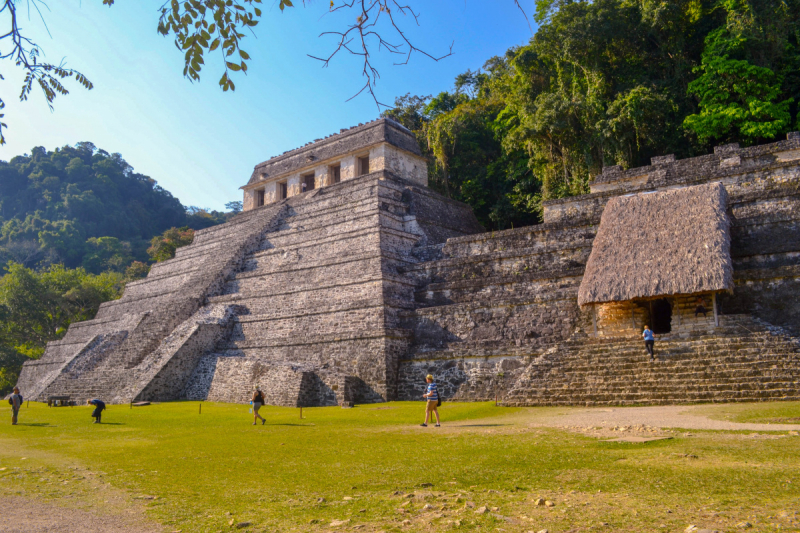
pixel 37 307
pixel 136 270
pixel 106 253
pixel 203 26
pixel 608 82
pixel 81 206
pixel 741 96
pixel 26 54
pixel 162 247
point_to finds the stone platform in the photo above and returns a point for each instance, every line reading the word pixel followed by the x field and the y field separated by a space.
pixel 353 291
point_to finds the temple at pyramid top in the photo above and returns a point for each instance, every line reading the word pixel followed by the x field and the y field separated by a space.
pixel 382 144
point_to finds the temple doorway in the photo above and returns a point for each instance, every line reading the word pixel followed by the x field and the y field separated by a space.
pixel 661 316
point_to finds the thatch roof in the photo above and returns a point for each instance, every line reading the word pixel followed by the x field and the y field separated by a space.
pixel 658 244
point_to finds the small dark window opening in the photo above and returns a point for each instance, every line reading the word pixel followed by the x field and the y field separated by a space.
pixel 260 197
pixel 283 190
pixel 661 316
pixel 335 174
pixel 308 182
pixel 363 165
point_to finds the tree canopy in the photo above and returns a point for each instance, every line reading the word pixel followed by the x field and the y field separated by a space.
pixel 38 307
pixel 80 206
pixel 608 82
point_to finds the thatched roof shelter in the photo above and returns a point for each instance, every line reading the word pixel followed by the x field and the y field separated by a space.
pixel 658 244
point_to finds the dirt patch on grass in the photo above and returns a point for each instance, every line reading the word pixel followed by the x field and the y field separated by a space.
pixel 21 515
pixel 41 491
pixel 792 420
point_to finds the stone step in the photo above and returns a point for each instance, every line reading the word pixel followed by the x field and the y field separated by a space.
pixel 300 323
pixel 541 234
pixel 755 379
pixel 505 262
pixel 364 270
pixel 789 394
pixel 447 297
pixel 305 265
pixel 299 234
pixel 270 298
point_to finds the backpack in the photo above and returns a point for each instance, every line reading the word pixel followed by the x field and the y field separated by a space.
pixel 439 403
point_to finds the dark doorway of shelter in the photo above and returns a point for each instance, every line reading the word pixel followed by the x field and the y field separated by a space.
pixel 661 316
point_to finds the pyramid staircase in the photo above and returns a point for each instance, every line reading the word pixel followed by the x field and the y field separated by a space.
pixel 742 360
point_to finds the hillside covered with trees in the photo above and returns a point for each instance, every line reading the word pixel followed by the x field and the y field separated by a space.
pixel 608 82
pixel 76 224
pixel 80 206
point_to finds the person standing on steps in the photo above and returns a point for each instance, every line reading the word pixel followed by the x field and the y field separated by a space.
pixel 99 407
pixel 16 402
pixel 258 403
pixel 649 341
pixel 701 307
pixel 432 404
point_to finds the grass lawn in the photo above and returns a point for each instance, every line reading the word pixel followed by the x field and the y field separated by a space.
pixel 769 413
pixel 375 469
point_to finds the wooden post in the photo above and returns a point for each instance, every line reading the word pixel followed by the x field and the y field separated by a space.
pixel 301 412
pixel 716 314
pixel 594 319
pixel 200 409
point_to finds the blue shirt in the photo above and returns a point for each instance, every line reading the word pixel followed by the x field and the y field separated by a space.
pixel 98 403
pixel 432 389
pixel 648 335
pixel 16 400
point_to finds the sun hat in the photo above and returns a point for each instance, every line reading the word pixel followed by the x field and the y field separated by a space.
pixel 429 376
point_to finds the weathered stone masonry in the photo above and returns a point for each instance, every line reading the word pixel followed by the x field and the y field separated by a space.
pixel 356 288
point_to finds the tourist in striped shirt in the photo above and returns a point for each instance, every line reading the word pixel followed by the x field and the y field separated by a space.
pixel 433 401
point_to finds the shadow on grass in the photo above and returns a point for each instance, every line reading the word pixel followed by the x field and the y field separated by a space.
pixel 110 424
pixel 37 424
pixel 479 425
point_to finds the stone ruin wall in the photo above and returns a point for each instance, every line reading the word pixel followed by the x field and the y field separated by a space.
pixel 355 291
pixel 494 304
pixel 389 146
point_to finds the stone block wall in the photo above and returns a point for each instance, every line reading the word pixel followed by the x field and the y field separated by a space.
pixel 353 292
pixel 389 146
pixel 492 307
pixel 322 293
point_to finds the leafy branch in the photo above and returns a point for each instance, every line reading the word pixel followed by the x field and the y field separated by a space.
pixel 27 55
pixel 208 25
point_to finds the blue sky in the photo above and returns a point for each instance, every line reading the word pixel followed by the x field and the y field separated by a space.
pixel 200 143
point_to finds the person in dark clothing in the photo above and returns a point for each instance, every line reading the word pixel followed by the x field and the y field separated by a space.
pixel 701 307
pixel 16 402
pixel 99 407
pixel 258 403
pixel 649 341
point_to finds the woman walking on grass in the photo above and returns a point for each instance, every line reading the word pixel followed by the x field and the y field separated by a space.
pixel 258 403
pixel 432 405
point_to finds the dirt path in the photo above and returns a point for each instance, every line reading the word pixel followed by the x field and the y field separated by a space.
pixel 21 515
pixel 666 416
pixel 655 421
